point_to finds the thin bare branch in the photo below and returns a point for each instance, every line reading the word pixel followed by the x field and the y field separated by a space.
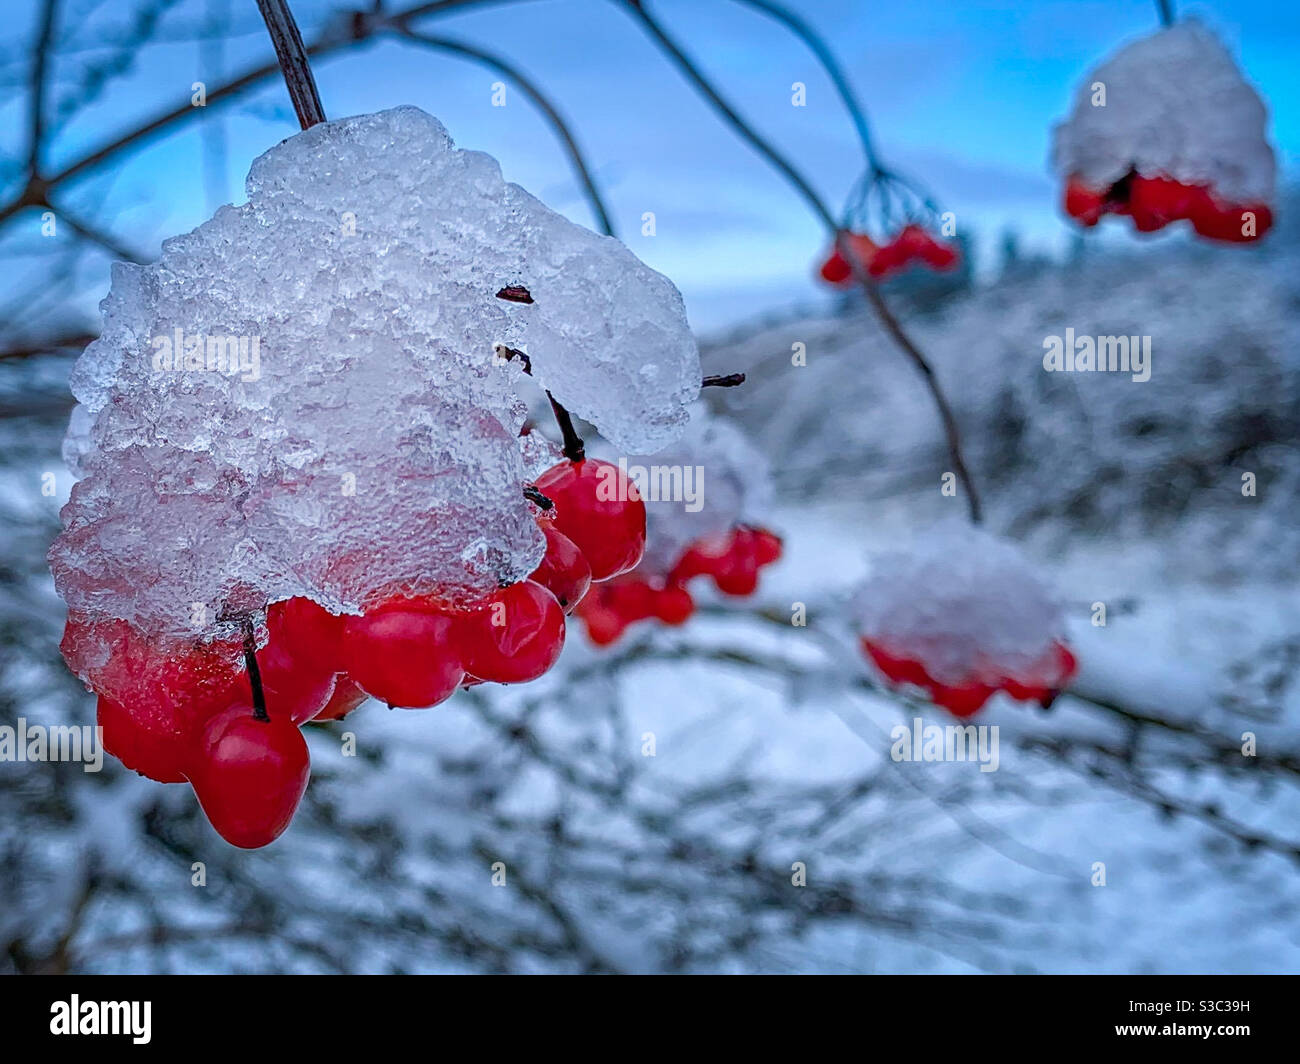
pixel 764 147
pixel 531 90
pixel 36 102
pixel 830 64
pixel 364 26
pixel 28 348
pixel 88 231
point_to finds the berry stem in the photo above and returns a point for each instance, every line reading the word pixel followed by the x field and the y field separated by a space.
pixel 574 449
pixel 254 672
pixel 292 54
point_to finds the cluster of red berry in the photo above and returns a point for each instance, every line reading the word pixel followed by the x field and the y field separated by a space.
pixel 912 244
pixel 732 560
pixel 1158 201
pixel 188 712
pixel 967 697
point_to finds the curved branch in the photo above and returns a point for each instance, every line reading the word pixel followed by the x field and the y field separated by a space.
pixel 363 27
pixel 529 89
pixel 819 208
pixel 830 65
pixel 36 105
pixel 89 232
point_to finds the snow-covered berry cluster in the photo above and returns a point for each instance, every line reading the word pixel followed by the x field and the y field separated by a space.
pixel 302 479
pixel 710 535
pixel 1167 129
pixel 962 616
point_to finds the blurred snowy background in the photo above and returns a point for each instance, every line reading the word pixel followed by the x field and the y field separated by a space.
pixel 772 742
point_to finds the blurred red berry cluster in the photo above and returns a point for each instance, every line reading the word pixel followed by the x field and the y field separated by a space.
pixel 911 245
pixel 1041 683
pixel 1157 201
pixel 731 560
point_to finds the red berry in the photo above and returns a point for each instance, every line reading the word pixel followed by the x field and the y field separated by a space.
pixel 674 605
pixel 564 571
pixel 403 653
pixel 939 256
pixel 1084 204
pixel 513 636
pixel 347 696
pixel 154 694
pixel 308 631
pixel 1155 202
pixel 704 557
pixel 961 700
pixel 599 509
pixel 249 775
pixel 896 668
pixel 1061 666
pixel 149 747
pixel 767 546
pixel 732 559
pixel 290 686
pixel 739 579
pixel 837 269
pixel 604 625
pixel 889 259
pixel 1227 222
pixel 633 598
pixel 187 678
pixel 964 700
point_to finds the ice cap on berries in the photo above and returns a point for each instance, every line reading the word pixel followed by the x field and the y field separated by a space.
pixel 736 487
pixel 366 262
pixel 964 604
pixel 1177 105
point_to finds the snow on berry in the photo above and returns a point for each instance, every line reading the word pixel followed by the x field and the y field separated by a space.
pixel 963 615
pixel 705 484
pixel 301 398
pixel 701 497
pixel 1180 135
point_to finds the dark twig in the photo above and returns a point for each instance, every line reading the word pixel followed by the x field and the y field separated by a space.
pixel 36 105
pixel 515 293
pixel 292 55
pixel 814 201
pixel 28 348
pixel 723 380
pixel 328 42
pixel 533 495
pixel 831 65
pixel 1166 10
pixel 573 448
pixel 96 236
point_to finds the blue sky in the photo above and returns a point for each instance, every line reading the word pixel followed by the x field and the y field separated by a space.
pixel 962 95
